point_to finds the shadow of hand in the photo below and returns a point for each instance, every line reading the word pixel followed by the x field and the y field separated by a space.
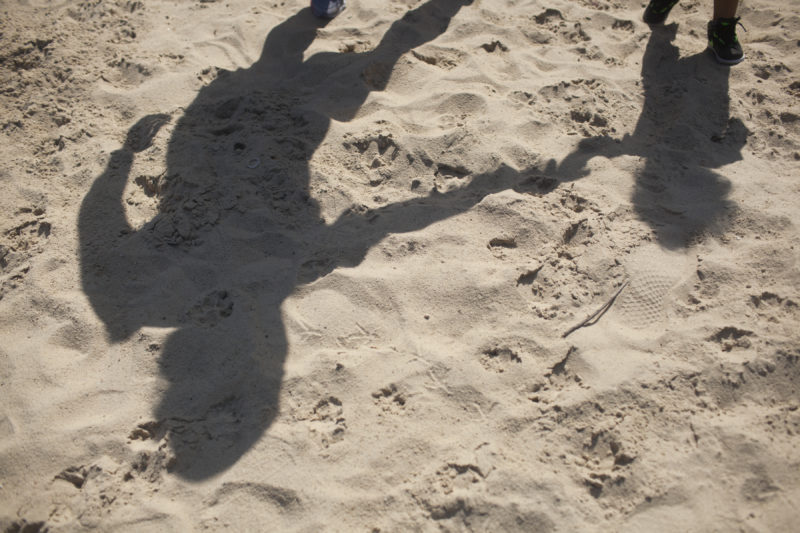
pixel 574 167
pixel 141 134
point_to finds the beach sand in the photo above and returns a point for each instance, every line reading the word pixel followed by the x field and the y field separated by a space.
pixel 259 272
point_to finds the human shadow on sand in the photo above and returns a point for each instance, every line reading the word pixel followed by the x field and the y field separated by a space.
pixel 237 231
pixel 684 131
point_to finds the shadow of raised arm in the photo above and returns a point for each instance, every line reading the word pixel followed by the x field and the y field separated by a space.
pixel 351 77
pixel 345 242
pixel 101 216
pixel 418 26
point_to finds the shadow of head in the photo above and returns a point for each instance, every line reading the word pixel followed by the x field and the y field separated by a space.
pixel 683 205
pixel 223 393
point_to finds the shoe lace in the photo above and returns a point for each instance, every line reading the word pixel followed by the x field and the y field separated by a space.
pixel 725 30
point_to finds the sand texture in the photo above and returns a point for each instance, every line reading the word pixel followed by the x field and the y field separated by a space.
pixel 259 272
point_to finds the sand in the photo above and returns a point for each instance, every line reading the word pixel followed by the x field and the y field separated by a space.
pixel 263 273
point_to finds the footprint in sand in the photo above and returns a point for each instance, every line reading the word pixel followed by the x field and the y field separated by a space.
pixel 437 56
pixel 327 421
pixel 390 399
pixel 499 359
pixel 213 308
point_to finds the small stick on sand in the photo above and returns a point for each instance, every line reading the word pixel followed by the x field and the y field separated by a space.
pixel 594 317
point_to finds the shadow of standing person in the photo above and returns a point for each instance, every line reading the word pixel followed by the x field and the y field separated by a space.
pixel 683 132
pixel 237 230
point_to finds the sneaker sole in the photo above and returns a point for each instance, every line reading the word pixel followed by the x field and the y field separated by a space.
pixel 723 61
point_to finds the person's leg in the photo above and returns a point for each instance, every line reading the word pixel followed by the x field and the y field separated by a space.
pixel 725 9
pixel 722 38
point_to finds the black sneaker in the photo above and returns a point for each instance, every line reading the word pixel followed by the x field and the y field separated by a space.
pixel 657 10
pixel 723 42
